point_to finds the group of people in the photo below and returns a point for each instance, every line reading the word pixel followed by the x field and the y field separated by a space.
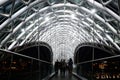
pixel 63 66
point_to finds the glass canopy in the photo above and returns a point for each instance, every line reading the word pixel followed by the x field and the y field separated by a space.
pixel 63 24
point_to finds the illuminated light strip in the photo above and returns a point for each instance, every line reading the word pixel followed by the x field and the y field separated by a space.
pixel 47 8
pixel 17 28
pixel 15 15
pixel 3 1
pixel 73 24
pixel 21 24
pixel 108 37
pixel 102 20
pixel 93 2
pixel 50 34
pixel 45 35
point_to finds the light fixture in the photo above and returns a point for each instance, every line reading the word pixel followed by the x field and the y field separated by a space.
pixel 46 18
pixel 22 30
pixel 93 11
pixel 73 16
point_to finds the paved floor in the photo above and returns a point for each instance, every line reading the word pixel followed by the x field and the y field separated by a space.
pixel 67 76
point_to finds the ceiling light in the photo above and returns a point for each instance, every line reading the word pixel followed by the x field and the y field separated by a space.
pixel 93 11
pixel 73 16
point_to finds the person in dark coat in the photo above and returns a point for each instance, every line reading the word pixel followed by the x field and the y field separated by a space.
pixel 61 68
pixel 56 67
pixel 64 65
pixel 70 66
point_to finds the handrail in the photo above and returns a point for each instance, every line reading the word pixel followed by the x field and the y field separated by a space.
pixel 49 76
pixel 79 77
pixel 10 52
pixel 98 59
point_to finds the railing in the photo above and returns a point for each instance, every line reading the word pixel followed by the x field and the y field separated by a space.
pixel 49 76
pixel 78 76
pixel 15 66
pixel 107 68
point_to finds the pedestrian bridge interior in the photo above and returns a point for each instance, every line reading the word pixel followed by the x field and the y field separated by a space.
pixel 36 33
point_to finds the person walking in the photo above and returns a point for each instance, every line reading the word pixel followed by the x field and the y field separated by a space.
pixel 64 65
pixel 61 68
pixel 70 66
pixel 56 67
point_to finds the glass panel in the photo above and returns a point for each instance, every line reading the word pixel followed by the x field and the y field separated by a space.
pixel 15 67
pixel 107 68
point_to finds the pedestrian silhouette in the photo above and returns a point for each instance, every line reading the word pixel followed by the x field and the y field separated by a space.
pixel 64 65
pixel 70 66
pixel 56 67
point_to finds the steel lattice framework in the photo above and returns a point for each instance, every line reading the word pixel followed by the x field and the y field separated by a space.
pixel 63 24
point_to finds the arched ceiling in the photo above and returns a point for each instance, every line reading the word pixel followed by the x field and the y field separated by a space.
pixel 63 24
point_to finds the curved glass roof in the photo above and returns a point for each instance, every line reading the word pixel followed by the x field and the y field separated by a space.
pixel 63 24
